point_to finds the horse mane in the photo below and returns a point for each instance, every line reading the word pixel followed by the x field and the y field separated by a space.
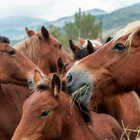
pixel 131 29
pixel 4 39
pixel 81 54
pixel 30 48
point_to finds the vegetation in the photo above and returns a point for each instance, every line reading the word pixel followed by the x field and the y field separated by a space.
pixel 120 17
pixel 84 26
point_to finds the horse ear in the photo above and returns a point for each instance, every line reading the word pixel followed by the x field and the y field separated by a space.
pixel 73 47
pixel 44 32
pixel 108 39
pixel 135 39
pixel 38 76
pixel 56 85
pixel 81 40
pixel 34 78
pixel 60 66
pixel 90 48
pixel 30 33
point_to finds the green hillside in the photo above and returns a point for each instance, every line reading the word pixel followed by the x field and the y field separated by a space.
pixel 121 17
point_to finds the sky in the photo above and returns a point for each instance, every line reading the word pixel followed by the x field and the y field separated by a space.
pixel 54 9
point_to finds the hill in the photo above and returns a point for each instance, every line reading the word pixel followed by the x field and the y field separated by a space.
pixel 119 18
pixel 62 21
pixel 14 27
pixel 111 21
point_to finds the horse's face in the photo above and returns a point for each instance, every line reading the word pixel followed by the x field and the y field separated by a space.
pixel 50 50
pixel 14 67
pixel 41 117
pixel 80 53
pixel 115 68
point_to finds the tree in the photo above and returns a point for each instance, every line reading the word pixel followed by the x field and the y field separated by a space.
pixel 84 26
pixel 58 34
pixel 55 31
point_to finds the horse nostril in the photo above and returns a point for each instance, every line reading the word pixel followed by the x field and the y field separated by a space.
pixel 69 78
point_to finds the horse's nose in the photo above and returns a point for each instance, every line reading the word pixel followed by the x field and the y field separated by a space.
pixel 69 78
pixel 69 83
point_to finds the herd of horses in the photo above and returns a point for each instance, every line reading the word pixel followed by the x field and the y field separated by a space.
pixel 46 94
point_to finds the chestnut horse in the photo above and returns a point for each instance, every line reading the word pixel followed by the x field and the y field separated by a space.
pixel 48 115
pixel 14 69
pixel 114 72
pixel 43 50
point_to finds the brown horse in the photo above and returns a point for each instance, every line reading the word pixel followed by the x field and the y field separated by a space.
pixel 14 69
pixel 113 73
pixel 48 115
pixel 43 50
pixel 86 47
pixel 80 53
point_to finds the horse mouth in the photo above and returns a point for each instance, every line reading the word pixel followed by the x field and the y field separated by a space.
pixel 82 91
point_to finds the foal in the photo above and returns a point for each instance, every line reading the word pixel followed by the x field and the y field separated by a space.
pixel 48 115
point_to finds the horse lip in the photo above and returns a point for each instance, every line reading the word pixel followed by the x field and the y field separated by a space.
pixel 82 90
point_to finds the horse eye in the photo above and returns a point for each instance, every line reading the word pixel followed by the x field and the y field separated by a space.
pixel 12 52
pixel 45 113
pixel 119 47
pixel 42 87
pixel 60 46
pixel 39 37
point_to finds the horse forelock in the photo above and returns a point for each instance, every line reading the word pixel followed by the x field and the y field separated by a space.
pixel 30 48
pixel 131 30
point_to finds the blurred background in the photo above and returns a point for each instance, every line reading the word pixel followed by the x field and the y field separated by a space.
pixel 90 19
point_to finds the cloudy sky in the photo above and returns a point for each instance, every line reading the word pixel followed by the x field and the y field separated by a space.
pixel 54 9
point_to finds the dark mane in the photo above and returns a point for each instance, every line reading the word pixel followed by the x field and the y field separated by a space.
pixel 4 39
pixel 81 54
pixel 108 39
pixel 84 112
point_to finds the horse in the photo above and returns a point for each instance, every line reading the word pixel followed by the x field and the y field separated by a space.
pixel 42 119
pixel 114 73
pixel 14 70
pixel 86 47
pixel 43 50
pixel 80 53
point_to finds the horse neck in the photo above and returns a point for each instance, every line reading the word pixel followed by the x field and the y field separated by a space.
pixel 15 94
pixel 74 125
pixel 20 46
pixel 124 107
pixel 30 48
pixel 67 57
pixel 13 97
